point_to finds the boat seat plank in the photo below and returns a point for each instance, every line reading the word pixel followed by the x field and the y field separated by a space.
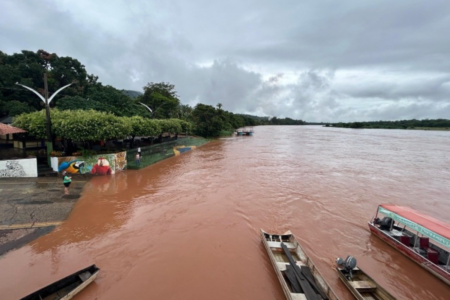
pixel 85 276
pixel 298 296
pixel 278 245
pixel 368 296
pixel 363 286
pixel 281 257
pixel 282 265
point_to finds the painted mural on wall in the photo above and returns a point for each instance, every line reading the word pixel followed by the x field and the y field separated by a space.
pixel 104 164
pixel 18 168
pixel 181 149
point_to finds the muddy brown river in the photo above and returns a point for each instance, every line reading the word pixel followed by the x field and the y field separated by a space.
pixel 188 227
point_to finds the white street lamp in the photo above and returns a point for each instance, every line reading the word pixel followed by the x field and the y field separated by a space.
pixel 145 105
pixel 46 101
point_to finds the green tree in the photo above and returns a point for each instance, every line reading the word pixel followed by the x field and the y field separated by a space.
pixel 78 102
pixel 184 112
pixel 34 123
pixel 144 127
pixel 207 122
pixel 103 98
pixel 90 125
pixel 162 100
pixel 186 126
pixel 115 101
pixel 29 67
pixel 172 126
pixel 356 125
pixel 77 125
pixel 14 108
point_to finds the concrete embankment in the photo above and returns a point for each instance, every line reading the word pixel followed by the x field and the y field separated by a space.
pixel 31 207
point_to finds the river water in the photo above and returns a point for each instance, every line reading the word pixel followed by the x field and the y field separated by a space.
pixel 188 227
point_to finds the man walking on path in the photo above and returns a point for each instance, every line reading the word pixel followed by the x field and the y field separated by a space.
pixel 67 180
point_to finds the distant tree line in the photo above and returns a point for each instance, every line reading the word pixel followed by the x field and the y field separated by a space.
pixel 86 93
pixel 88 96
pixel 402 124
pixel 274 120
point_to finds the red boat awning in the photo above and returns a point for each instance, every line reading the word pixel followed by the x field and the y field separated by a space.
pixel 430 223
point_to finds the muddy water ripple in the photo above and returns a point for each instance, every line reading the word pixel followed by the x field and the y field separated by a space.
pixel 188 227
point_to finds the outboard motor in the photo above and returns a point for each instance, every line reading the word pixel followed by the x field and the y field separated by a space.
pixel 348 264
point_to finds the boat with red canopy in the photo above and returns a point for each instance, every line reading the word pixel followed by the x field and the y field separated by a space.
pixel 422 238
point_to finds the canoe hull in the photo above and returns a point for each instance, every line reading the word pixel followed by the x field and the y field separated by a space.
pixel 81 287
pixel 68 287
pixel 379 292
pixel 410 253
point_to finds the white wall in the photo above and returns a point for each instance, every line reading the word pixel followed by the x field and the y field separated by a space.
pixel 54 163
pixel 18 168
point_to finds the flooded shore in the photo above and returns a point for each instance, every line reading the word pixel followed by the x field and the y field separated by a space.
pixel 188 227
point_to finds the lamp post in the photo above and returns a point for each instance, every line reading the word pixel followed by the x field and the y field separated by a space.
pixel 47 102
pixel 146 106
pixel 150 110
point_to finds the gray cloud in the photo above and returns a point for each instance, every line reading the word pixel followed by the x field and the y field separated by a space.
pixel 430 87
pixel 310 60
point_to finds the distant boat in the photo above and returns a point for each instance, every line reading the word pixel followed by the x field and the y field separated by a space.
pixel 422 238
pixel 361 285
pixel 246 131
pixel 298 276
pixel 66 288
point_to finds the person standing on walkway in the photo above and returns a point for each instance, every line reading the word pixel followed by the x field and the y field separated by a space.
pixel 139 152
pixel 138 159
pixel 67 180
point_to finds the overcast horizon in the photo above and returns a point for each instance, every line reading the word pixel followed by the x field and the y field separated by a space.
pixel 311 60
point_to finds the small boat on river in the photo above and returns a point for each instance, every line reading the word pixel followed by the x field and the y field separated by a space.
pixel 245 131
pixel 422 238
pixel 66 288
pixel 298 276
pixel 361 285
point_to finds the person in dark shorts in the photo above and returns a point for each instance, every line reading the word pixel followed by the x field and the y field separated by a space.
pixel 67 180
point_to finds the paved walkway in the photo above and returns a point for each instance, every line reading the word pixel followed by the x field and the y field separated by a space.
pixel 31 207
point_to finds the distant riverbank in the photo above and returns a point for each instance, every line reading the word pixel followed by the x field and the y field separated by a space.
pixel 437 124
pixel 414 128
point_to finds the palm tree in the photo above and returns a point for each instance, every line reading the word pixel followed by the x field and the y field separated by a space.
pixel 219 105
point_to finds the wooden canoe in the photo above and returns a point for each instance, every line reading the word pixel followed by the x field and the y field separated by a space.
pixel 66 288
pixel 362 286
pixel 298 276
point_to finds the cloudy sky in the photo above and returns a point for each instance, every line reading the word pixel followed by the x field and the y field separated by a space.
pixel 314 60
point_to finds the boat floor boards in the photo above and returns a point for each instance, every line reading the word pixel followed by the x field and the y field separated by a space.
pixel 290 274
pixel 305 283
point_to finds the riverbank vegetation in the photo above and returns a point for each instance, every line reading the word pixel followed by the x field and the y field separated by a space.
pixel 84 107
pixel 436 124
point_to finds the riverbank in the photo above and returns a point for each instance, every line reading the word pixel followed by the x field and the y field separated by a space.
pixel 31 207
